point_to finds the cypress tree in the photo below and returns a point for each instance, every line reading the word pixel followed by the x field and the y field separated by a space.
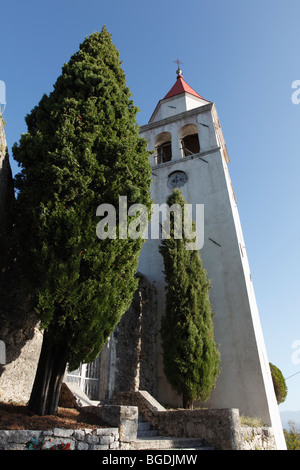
pixel 190 355
pixel 82 149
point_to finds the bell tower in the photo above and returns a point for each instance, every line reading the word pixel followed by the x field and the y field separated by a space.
pixel 189 152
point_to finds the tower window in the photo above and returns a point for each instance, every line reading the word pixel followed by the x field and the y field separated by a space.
pixel 189 140
pixel 163 148
pixel 164 152
pixel 190 145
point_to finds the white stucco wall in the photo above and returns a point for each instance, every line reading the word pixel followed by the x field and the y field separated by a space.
pixel 245 379
pixel 176 105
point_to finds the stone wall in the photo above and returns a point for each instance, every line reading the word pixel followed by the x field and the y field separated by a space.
pixel 135 342
pixel 221 428
pixel 122 424
pixel 128 359
pixel 6 187
pixel 261 438
pixel 122 416
pixel 79 439
pixel 18 327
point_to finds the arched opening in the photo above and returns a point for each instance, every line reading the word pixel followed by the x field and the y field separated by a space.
pixel 163 148
pixel 189 140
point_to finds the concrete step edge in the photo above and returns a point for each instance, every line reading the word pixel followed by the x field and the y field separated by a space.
pixel 169 443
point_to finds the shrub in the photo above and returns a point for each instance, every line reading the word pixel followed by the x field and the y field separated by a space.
pixel 292 437
pixel 279 384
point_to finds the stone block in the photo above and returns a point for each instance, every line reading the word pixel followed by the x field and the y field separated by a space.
pixel 61 432
pixel 123 417
pixel 107 431
pixel 98 447
pixel 91 439
pixel 79 435
pixel 106 440
pixel 82 446
pixel 114 445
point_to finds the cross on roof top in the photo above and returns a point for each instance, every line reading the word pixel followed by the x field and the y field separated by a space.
pixel 179 71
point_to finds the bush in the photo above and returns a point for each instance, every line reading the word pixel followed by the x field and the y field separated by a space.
pixel 292 437
pixel 279 384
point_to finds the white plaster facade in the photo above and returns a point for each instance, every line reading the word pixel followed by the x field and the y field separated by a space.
pixel 245 380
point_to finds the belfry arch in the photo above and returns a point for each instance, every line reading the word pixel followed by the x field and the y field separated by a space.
pixel 163 148
pixel 189 140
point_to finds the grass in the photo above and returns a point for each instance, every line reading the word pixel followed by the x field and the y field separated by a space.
pixel 252 422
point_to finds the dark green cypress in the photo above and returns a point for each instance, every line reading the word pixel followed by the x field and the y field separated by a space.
pixel 190 354
pixel 82 149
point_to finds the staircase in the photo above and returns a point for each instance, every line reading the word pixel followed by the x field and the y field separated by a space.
pixel 148 438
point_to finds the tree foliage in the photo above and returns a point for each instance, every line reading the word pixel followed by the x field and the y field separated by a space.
pixel 292 436
pixel 279 384
pixel 82 149
pixel 191 358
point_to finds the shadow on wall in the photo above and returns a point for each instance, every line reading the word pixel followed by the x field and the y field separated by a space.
pixel 16 324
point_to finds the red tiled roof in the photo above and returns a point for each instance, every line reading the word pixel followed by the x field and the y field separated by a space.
pixel 181 87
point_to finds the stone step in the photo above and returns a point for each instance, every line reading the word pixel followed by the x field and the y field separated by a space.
pixel 147 433
pixel 143 425
pixel 148 438
pixel 144 429
pixel 168 443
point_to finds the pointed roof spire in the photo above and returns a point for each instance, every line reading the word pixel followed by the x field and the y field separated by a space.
pixel 180 85
pixel 179 90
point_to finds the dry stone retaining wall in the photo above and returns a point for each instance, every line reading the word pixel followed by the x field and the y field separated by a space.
pixel 5 173
pixel 18 327
pixel 122 424
pixel 261 438
pixel 79 439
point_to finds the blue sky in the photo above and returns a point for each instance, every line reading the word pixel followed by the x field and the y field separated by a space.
pixel 241 54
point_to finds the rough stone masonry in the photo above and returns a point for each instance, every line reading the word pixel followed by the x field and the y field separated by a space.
pixel 18 328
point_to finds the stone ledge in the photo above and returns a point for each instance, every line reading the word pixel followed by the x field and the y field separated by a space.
pixel 124 417
pixel 79 439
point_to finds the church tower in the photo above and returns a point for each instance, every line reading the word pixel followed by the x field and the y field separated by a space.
pixel 189 152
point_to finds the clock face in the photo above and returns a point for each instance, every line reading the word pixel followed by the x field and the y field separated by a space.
pixel 177 179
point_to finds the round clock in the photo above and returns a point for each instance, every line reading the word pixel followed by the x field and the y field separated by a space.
pixel 177 179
